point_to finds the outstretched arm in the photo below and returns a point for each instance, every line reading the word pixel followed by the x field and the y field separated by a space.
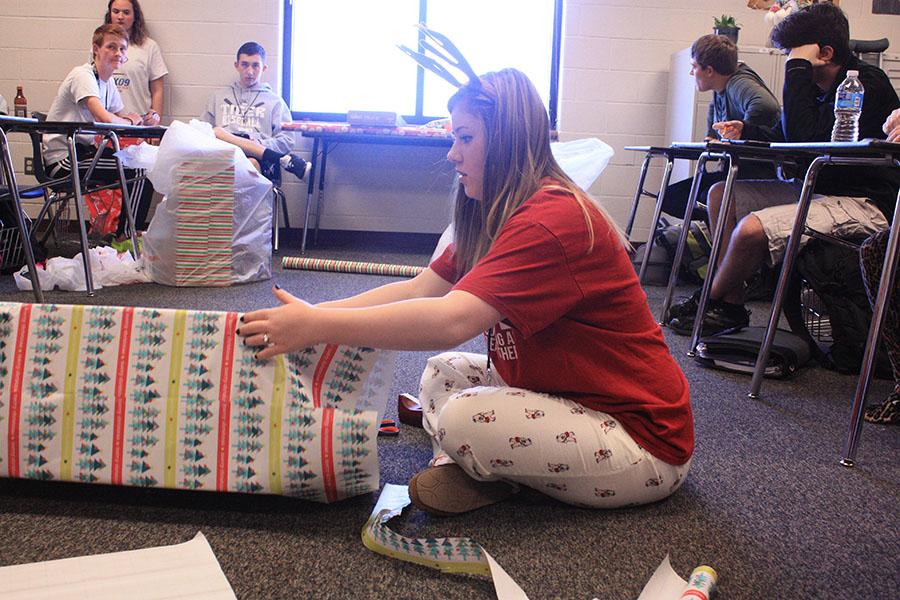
pixel 101 115
pixel 426 284
pixel 414 324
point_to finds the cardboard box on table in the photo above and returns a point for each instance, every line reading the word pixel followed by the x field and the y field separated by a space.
pixel 172 398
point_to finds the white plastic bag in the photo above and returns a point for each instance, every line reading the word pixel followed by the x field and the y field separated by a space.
pixel 251 218
pixel 583 160
pixel 139 156
pixel 108 268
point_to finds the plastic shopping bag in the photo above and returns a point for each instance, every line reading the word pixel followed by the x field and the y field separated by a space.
pixel 214 225
pixel 105 206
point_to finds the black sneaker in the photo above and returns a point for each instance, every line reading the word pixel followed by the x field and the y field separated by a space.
pixel 292 163
pixel 686 306
pixel 721 317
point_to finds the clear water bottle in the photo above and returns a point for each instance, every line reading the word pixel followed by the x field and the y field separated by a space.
pixel 848 103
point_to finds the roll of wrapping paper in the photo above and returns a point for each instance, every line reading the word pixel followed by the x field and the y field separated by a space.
pixel 350 266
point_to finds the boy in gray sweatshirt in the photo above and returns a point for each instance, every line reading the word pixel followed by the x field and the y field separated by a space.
pixel 248 114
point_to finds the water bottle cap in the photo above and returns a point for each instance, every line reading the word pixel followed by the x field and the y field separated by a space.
pixel 852 73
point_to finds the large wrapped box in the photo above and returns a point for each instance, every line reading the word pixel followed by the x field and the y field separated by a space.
pixel 172 398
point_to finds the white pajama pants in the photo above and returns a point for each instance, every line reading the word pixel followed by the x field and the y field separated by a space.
pixel 556 446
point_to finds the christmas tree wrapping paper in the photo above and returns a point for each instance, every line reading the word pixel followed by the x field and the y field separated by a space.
pixel 172 398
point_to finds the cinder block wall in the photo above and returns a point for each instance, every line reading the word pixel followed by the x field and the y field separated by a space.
pixel 614 84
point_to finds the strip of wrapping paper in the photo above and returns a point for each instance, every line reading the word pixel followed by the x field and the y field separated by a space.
pixel 349 266
pixel 172 398
pixel 451 555
pixel 205 221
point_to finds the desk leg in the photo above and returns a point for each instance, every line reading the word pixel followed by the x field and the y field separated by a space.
pixel 682 239
pixel 24 232
pixel 637 195
pixel 660 197
pixel 126 198
pixel 717 243
pixel 79 212
pixel 885 287
pixel 790 254
pixel 320 199
pixel 310 187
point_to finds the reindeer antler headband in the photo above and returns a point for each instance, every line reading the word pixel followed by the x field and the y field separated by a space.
pixel 446 52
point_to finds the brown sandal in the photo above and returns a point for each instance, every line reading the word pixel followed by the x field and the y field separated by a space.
pixel 446 490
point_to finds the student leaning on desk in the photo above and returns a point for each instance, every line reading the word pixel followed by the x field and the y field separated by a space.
pixel 87 95
pixel 850 201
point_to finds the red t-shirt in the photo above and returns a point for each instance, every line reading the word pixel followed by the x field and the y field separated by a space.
pixel 577 324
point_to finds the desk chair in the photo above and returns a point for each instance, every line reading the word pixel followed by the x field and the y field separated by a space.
pixel 870 51
pixel 59 190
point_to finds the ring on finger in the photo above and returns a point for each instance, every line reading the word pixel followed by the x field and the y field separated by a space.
pixel 266 339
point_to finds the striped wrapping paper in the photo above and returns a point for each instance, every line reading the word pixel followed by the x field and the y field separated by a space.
pixel 172 398
pixel 350 266
pixel 205 214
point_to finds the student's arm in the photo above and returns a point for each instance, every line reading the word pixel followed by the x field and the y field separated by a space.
pixel 426 284
pixel 757 103
pixel 281 141
pixel 101 115
pixel 157 91
pixel 801 119
pixel 415 324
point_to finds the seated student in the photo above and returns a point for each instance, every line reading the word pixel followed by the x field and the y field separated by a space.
pixel 579 396
pixel 248 114
pixel 849 201
pixel 738 93
pixel 87 94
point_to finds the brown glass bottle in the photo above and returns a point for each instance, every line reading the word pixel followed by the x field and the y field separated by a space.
pixel 20 103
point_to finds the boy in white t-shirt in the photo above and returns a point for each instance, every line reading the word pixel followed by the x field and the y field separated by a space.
pixel 88 95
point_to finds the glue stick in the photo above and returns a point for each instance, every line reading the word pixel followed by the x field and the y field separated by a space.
pixel 701 584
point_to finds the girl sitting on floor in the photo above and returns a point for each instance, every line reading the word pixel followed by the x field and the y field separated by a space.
pixel 578 397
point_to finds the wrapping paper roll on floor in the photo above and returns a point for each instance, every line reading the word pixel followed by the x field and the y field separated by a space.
pixel 173 398
pixel 350 266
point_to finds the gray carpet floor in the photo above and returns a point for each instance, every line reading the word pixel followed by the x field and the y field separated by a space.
pixel 766 502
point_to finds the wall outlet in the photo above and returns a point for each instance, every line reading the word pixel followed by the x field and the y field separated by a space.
pixel 29 165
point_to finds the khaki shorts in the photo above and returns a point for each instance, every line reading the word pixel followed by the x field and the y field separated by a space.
pixel 774 203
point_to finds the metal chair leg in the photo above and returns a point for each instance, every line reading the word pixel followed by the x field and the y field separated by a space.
pixel 885 287
pixel 277 199
pixel 660 198
pixel 682 239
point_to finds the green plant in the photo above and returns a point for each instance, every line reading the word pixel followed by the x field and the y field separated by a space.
pixel 724 22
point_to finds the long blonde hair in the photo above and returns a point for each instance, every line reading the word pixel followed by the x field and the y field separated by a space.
pixel 517 157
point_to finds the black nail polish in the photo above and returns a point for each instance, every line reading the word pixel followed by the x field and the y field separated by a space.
pixel 238 331
pixel 242 318
pixel 277 287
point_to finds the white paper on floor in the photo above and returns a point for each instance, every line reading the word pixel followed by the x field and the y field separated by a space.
pixel 189 571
